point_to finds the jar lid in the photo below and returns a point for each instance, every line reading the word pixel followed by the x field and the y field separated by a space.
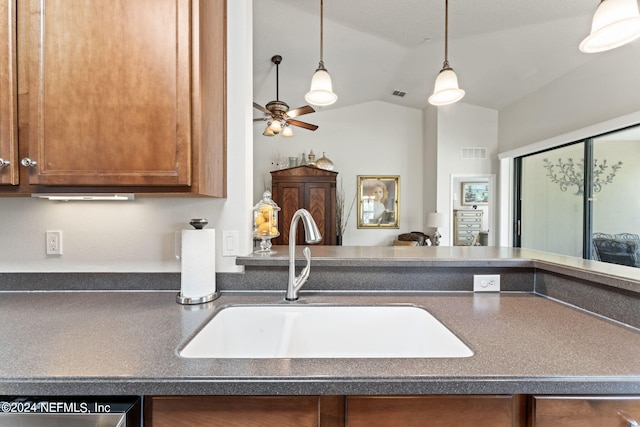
pixel 266 200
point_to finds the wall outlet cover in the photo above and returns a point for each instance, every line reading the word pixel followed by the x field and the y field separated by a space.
pixel 486 283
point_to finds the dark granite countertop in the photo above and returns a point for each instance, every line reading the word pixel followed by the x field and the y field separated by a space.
pixel 117 343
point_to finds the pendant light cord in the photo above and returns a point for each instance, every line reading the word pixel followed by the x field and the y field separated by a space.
pixel 321 31
pixel 446 33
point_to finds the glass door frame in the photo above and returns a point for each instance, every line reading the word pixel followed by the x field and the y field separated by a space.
pixel 587 211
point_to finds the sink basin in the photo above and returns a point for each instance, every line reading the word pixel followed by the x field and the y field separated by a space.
pixel 324 331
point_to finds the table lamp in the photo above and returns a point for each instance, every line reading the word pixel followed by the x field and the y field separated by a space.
pixel 436 220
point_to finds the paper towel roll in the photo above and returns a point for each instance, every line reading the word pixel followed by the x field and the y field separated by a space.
pixel 198 263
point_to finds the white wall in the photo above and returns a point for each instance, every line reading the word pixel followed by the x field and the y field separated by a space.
pixel 463 125
pixel 375 138
pixel 604 89
pixel 138 236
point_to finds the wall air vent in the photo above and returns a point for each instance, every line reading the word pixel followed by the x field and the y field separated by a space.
pixel 399 93
pixel 473 153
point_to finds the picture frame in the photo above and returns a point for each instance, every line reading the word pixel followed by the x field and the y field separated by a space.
pixel 475 193
pixel 378 201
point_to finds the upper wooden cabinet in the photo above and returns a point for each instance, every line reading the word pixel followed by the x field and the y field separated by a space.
pixel 8 105
pixel 121 95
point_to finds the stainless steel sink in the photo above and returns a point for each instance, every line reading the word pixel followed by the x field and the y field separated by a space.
pixel 324 331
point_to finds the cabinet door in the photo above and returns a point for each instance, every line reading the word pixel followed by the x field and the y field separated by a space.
pixel 8 102
pixel 289 197
pixel 582 411
pixel 109 92
pixel 230 411
pixel 320 204
pixel 435 411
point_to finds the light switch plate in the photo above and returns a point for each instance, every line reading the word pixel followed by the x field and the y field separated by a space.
pixel 230 242
pixel 486 283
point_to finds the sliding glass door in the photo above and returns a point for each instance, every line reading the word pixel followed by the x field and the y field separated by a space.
pixel 551 202
pixel 583 199
pixel 616 197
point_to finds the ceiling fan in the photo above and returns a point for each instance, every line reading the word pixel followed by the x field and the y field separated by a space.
pixel 277 114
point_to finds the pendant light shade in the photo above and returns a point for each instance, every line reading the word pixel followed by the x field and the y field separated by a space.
pixel 446 90
pixel 615 23
pixel 321 91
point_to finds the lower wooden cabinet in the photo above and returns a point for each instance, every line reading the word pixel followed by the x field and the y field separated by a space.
pixel 244 411
pixel 334 411
pixel 436 411
pixel 406 411
pixel 584 411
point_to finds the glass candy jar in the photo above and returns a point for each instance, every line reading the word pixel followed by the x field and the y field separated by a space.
pixel 265 222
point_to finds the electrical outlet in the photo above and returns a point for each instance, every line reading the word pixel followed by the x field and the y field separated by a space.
pixel 486 283
pixel 53 242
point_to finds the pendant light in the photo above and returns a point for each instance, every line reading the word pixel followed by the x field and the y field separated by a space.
pixel 615 23
pixel 446 90
pixel 321 92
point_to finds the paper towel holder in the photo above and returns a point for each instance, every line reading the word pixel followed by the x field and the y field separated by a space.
pixel 198 224
pixel 196 300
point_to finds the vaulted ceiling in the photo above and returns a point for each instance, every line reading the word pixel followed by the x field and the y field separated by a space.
pixel 501 50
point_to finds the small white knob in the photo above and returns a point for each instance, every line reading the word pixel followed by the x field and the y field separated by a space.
pixel 4 163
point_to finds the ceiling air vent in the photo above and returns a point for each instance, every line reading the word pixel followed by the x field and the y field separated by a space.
pixel 473 153
pixel 399 93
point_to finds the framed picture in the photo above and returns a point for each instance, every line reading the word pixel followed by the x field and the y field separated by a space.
pixel 378 201
pixel 475 193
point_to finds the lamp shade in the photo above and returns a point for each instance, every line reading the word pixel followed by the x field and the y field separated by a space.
pixel 436 219
pixel 321 91
pixel 287 131
pixel 268 131
pixel 615 23
pixel 446 90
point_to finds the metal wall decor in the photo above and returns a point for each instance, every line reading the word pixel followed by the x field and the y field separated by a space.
pixel 568 174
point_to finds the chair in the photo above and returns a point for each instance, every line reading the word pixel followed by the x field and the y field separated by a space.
pixel 602 236
pixel 618 251
pixel 594 252
pixel 414 236
pixel 627 236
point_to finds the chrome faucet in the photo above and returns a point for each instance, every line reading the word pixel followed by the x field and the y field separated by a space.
pixel 311 235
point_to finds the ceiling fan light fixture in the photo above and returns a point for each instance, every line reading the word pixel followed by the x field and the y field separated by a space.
pixel 321 91
pixel 446 90
pixel 287 131
pixel 275 126
pixel 268 131
pixel 615 23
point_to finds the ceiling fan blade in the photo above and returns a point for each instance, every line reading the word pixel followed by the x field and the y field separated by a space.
pixel 261 108
pixel 302 124
pixel 300 111
pixel 263 119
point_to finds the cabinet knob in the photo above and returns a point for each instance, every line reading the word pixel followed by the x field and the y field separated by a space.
pixel 4 163
pixel 28 162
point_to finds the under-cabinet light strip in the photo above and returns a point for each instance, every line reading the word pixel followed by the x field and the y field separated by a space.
pixel 84 197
